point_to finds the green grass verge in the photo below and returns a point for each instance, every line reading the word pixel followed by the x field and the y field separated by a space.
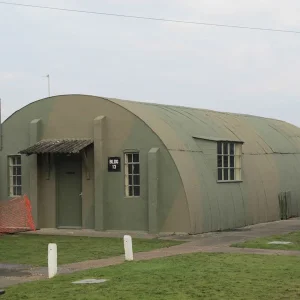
pixel 262 243
pixel 195 276
pixel 33 249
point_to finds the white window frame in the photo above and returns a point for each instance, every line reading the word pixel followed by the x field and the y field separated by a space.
pixel 15 175
pixel 229 161
pixel 132 175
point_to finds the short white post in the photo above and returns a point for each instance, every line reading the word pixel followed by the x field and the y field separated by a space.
pixel 52 260
pixel 128 247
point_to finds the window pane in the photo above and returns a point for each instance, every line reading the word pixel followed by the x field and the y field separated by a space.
pixel 14 180
pixel 19 180
pixel 219 148
pixel 226 174
pixel 18 160
pixel 130 180
pixel 129 169
pixel 14 191
pixel 219 174
pixel 18 170
pixel 136 157
pixel 238 149
pixel 136 191
pixel 129 157
pixel 19 191
pixel 219 161
pixel 225 161
pixel 130 191
pixel 136 179
pixel 231 161
pixel 232 148
pixel 15 170
pixel 231 174
pixel 225 148
pixel 136 169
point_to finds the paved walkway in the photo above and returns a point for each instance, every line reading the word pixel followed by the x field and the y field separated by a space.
pixel 212 242
pixel 91 233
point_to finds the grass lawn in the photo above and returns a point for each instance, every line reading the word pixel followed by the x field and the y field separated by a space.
pixel 195 276
pixel 33 249
pixel 262 243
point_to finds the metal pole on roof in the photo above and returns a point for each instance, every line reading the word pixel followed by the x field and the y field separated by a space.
pixel 48 76
pixel 48 84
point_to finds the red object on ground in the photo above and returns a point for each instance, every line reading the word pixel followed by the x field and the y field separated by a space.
pixel 16 215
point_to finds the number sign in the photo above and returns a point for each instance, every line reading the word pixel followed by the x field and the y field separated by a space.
pixel 114 164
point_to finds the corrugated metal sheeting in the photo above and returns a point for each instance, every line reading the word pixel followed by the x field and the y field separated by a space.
pixel 58 146
pixel 260 135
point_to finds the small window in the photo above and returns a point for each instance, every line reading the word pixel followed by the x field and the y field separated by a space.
pixel 15 175
pixel 132 175
pixel 229 156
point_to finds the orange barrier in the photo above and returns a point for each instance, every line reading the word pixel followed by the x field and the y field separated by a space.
pixel 16 215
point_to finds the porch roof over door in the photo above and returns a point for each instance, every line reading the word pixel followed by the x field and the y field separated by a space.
pixel 66 146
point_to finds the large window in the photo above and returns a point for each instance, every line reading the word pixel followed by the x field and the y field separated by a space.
pixel 15 175
pixel 229 161
pixel 132 174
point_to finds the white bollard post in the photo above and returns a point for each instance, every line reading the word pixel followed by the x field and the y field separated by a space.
pixel 52 260
pixel 128 247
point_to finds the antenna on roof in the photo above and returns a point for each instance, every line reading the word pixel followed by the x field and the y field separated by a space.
pixel 48 76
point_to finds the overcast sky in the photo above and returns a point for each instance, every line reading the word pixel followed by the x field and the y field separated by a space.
pixel 253 72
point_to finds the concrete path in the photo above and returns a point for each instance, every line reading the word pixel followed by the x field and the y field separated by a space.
pixel 208 243
pixel 91 233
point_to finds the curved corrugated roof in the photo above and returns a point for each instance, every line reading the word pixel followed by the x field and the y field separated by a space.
pixel 260 135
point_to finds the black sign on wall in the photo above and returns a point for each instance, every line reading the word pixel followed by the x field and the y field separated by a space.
pixel 114 164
